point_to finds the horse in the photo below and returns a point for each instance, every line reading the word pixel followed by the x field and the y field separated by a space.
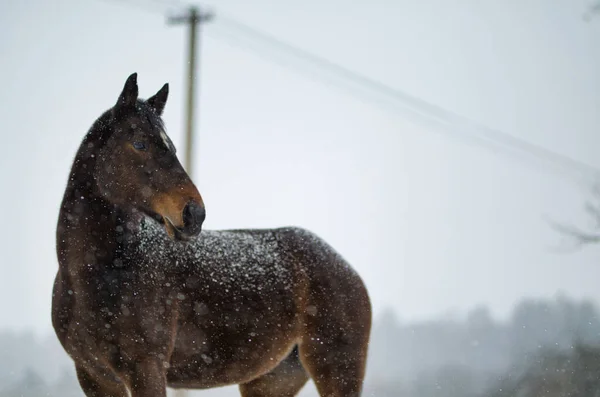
pixel 144 299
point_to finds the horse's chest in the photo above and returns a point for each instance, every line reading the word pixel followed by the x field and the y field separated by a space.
pixel 121 315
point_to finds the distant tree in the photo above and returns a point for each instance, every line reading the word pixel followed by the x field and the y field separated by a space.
pixel 384 350
pixel 30 384
pixel 480 319
pixel 447 381
pixel 31 380
pixel 591 234
pixel 555 374
pixel 383 388
pixel 67 379
pixel 592 11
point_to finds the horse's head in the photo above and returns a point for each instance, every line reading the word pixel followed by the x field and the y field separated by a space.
pixel 137 167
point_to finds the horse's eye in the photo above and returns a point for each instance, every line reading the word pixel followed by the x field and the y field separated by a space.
pixel 139 145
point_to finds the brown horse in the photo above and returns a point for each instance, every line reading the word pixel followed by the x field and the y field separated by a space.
pixel 143 300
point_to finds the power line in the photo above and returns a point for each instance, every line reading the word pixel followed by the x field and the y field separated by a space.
pixel 138 5
pixel 464 138
pixel 459 127
pixel 433 112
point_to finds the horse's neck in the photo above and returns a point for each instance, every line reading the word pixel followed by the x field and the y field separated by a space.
pixel 87 229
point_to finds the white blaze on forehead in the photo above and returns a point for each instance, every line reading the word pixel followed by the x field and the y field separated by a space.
pixel 165 139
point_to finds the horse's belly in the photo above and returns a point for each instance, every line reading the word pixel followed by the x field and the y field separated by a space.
pixel 230 360
pixel 238 326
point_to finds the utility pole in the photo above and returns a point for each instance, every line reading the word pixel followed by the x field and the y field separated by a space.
pixel 194 19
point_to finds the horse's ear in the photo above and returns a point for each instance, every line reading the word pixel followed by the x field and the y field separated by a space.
pixel 159 100
pixel 129 94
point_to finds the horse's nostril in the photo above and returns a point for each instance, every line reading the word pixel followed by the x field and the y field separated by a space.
pixel 193 216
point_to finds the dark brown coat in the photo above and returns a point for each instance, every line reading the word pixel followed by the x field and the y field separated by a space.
pixel 143 300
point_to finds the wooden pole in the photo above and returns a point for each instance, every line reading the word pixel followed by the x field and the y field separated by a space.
pixel 193 18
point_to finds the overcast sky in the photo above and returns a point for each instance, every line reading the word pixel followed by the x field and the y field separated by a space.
pixel 432 225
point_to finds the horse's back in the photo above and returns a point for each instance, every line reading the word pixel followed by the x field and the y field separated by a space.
pixel 254 260
pixel 287 254
pixel 257 258
pixel 291 264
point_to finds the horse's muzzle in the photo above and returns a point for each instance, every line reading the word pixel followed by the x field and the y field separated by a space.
pixel 193 217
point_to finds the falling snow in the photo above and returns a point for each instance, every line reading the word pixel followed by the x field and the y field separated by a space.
pixel 233 259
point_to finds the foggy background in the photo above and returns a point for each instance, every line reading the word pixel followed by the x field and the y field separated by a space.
pixel 438 227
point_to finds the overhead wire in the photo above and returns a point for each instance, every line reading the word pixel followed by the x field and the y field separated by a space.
pixel 423 108
pixel 468 131
pixel 457 134
pixel 136 4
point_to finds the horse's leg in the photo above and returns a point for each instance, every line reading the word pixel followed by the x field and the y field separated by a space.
pixel 335 343
pixel 148 379
pixel 337 366
pixel 285 380
pixel 95 387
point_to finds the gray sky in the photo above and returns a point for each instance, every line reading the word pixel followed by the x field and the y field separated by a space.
pixel 432 225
